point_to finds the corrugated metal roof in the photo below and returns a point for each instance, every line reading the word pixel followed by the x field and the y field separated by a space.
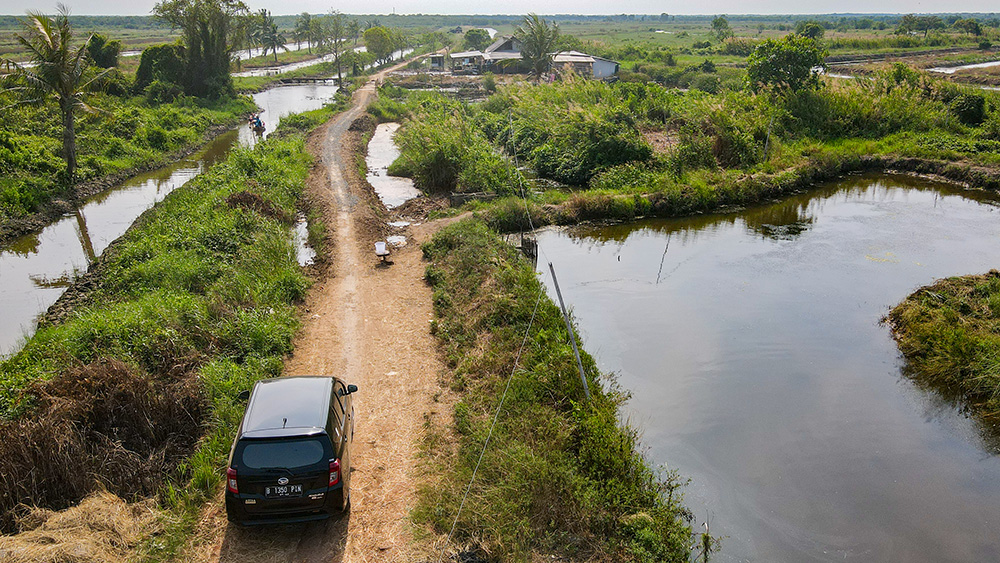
pixel 465 54
pixel 501 55
pixel 572 57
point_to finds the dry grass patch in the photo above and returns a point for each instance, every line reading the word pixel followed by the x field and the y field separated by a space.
pixel 102 528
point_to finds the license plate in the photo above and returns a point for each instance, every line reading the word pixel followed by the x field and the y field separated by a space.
pixel 283 491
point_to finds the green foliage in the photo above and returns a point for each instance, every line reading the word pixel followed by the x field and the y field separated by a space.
pixel 970 108
pixel 379 42
pixel 104 52
pixel 476 39
pixel 811 29
pixel 164 63
pixel 57 72
pixel 581 487
pixel 785 64
pixel 721 29
pixel 568 131
pixel 210 32
pixel 442 149
pixel 160 92
pixel 538 39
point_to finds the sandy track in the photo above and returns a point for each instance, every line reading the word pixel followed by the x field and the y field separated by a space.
pixel 365 322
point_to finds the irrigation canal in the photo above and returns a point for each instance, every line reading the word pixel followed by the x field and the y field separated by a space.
pixel 758 368
pixel 37 268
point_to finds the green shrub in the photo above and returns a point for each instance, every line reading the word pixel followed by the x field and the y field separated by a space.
pixel 969 108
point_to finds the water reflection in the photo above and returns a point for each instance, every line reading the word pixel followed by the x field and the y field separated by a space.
pixel 382 151
pixel 759 369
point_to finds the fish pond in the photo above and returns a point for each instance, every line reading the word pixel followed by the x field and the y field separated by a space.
pixel 752 346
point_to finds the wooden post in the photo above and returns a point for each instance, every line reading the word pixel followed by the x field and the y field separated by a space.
pixel 572 335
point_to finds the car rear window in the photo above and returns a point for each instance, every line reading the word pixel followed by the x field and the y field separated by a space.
pixel 284 453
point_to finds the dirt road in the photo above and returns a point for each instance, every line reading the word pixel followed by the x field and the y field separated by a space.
pixel 368 323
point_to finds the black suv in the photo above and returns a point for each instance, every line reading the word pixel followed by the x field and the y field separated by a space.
pixel 291 460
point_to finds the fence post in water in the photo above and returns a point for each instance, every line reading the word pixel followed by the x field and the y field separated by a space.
pixel 572 335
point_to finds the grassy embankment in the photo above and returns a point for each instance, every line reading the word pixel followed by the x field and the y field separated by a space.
pixel 130 135
pixel 638 149
pixel 949 333
pixel 560 476
pixel 137 392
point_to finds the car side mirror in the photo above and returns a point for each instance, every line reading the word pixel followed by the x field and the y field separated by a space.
pixel 352 389
pixel 244 395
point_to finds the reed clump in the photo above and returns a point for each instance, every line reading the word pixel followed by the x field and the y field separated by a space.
pixel 949 333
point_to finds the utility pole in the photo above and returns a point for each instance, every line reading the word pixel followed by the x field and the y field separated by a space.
pixel 572 335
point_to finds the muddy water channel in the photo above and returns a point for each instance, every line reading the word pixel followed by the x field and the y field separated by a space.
pixel 37 268
pixel 382 151
pixel 752 347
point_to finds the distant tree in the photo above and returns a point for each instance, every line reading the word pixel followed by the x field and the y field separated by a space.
pixel 810 29
pixel 906 24
pixel 664 17
pixel 929 23
pixel 247 32
pixel 354 30
pixel 785 64
pixel 270 38
pixel 210 36
pixel 56 72
pixel 303 30
pixel 379 42
pixel 336 31
pixel 538 39
pixel 103 52
pixel 721 29
pixel 317 32
pixel 969 26
pixel 476 39
pixel 435 38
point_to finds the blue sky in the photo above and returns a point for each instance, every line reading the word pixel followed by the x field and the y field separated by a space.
pixel 142 7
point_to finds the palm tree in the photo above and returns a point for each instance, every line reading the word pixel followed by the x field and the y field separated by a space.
pixel 270 38
pixel 538 41
pixel 303 30
pixel 354 30
pixel 54 72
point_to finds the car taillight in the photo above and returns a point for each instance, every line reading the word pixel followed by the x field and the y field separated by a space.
pixel 334 472
pixel 231 481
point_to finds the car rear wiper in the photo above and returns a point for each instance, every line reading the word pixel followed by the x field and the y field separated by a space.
pixel 285 469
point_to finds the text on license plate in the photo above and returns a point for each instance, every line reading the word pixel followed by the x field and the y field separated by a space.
pixel 283 491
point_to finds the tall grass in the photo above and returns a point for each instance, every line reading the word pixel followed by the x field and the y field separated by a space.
pixel 949 333
pixel 200 292
pixel 561 475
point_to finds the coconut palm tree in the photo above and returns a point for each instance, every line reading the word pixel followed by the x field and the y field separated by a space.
pixel 56 72
pixel 354 30
pixel 303 30
pixel 538 40
pixel 271 38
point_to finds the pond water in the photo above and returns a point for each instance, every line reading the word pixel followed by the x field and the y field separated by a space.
pixel 392 190
pixel 954 69
pixel 752 346
pixel 37 268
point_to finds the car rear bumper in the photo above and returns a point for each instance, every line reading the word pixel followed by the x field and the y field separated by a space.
pixel 282 513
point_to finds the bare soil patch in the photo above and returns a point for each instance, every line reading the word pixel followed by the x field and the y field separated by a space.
pixel 661 141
